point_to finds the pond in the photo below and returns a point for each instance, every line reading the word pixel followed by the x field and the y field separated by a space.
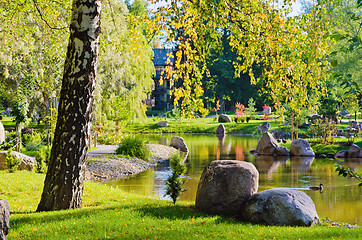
pixel 341 199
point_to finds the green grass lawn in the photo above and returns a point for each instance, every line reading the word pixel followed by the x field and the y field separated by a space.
pixel 196 125
pixel 110 213
pixel 8 122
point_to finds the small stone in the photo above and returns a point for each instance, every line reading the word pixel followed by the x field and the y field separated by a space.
pixel 179 143
pixel 162 124
pixel 223 118
pixel 220 130
pixel 4 218
pixel 341 154
pixel 282 151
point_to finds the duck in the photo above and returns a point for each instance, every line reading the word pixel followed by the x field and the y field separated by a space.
pixel 320 188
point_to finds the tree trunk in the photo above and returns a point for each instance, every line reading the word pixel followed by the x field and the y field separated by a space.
pixel 63 186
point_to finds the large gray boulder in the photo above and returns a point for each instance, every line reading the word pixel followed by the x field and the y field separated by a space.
pixel 267 145
pixel 225 185
pixel 2 133
pixel 4 218
pixel 26 162
pixel 220 131
pixel 223 118
pixel 179 143
pixel 301 147
pixel 280 207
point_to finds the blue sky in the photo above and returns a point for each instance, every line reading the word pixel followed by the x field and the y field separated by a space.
pixel 296 6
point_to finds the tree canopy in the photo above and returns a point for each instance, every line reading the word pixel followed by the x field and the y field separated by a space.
pixel 291 51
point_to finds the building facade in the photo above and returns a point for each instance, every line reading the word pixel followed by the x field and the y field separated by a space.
pixel 159 98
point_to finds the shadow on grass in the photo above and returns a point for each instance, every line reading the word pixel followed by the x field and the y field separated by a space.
pixel 175 212
pixel 59 216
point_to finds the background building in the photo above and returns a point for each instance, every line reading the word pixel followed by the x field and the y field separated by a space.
pixel 160 97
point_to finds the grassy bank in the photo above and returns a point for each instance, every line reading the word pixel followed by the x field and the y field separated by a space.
pixel 112 214
pixel 198 125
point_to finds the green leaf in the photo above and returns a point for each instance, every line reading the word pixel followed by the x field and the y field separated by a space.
pixel 334 63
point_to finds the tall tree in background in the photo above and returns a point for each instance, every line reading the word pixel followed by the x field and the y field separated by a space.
pixel 32 50
pixel 222 84
pixel 63 186
pixel 125 63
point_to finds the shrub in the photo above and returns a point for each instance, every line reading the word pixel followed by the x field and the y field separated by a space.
pixel 40 157
pixel 109 139
pixel 326 130
pixel 175 183
pixel 47 152
pixel 11 162
pixel 134 147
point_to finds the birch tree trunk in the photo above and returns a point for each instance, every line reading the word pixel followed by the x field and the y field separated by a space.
pixel 64 182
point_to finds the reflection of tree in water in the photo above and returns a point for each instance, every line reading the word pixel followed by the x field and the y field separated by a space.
pixel 239 153
pixel 223 149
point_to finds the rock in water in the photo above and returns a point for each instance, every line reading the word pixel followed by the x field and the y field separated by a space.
pixel 179 143
pixel 354 151
pixel 225 185
pixel 267 145
pixel 220 131
pixel 280 207
pixel 301 147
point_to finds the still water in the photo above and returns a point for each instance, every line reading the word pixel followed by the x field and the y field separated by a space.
pixel 341 199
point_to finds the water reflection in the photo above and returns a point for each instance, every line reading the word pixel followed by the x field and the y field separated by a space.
pixel 341 199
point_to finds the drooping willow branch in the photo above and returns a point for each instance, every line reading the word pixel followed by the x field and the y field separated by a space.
pixel 44 20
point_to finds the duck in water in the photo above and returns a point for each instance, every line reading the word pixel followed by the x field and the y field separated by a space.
pixel 320 188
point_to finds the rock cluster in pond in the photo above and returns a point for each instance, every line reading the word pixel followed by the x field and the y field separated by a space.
pixel 26 162
pixel 223 118
pixel 225 185
pixel 267 145
pixel 220 131
pixel 2 133
pixel 353 152
pixel 228 187
pixel 280 207
pixel 162 124
pixel 4 218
